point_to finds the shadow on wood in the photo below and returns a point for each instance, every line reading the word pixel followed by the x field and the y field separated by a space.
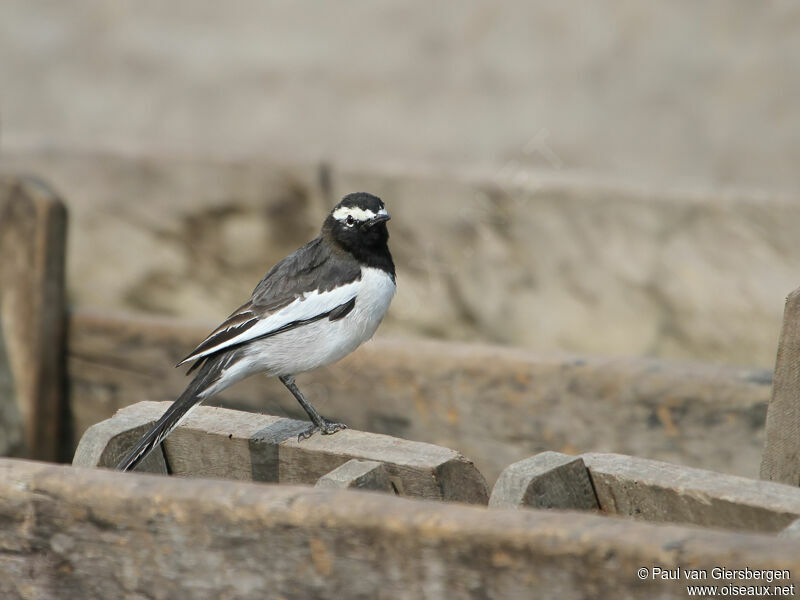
pixel 547 480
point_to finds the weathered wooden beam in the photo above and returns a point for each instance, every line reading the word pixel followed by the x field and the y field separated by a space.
pixel 216 442
pixel 663 492
pixel 32 250
pixel 781 459
pixel 547 480
pixel 94 534
pixel 496 405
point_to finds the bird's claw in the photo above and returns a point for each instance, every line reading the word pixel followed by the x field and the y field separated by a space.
pixel 327 428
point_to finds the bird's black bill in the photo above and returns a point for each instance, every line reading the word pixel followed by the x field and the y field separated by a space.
pixel 375 220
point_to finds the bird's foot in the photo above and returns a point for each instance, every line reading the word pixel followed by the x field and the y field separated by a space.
pixel 327 428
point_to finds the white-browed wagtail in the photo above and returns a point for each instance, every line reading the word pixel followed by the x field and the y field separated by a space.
pixel 313 308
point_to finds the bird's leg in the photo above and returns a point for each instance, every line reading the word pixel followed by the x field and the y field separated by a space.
pixel 320 423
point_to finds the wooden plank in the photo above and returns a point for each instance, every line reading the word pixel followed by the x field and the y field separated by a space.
pixel 98 535
pixel 222 443
pixel 104 444
pixel 359 475
pixel 467 397
pixel 32 250
pixel 547 480
pixel 663 492
pixel 781 459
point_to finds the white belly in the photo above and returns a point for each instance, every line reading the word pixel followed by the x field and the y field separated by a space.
pixel 322 342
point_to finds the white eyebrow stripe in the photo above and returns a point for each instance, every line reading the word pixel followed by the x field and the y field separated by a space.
pixel 359 214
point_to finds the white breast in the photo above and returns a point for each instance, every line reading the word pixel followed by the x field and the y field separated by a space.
pixel 373 298
pixel 340 338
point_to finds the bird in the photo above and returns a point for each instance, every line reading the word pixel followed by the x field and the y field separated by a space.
pixel 311 309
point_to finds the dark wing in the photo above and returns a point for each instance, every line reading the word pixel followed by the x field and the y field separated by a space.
pixel 313 283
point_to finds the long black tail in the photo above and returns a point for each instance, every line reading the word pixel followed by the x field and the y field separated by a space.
pixel 207 375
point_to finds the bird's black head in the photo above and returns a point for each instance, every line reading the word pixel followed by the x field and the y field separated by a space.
pixel 358 223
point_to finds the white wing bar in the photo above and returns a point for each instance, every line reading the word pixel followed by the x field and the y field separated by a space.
pixel 306 307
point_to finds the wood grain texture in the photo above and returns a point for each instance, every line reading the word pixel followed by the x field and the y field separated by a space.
pixel 663 492
pixel 32 250
pixel 93 534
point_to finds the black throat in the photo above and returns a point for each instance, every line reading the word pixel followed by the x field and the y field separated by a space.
pixel 377 257
pixel 370 249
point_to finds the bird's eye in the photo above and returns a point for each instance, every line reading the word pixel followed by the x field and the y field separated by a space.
pixel 350 221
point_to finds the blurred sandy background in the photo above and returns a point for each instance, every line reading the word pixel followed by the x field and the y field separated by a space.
pixel 612 178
